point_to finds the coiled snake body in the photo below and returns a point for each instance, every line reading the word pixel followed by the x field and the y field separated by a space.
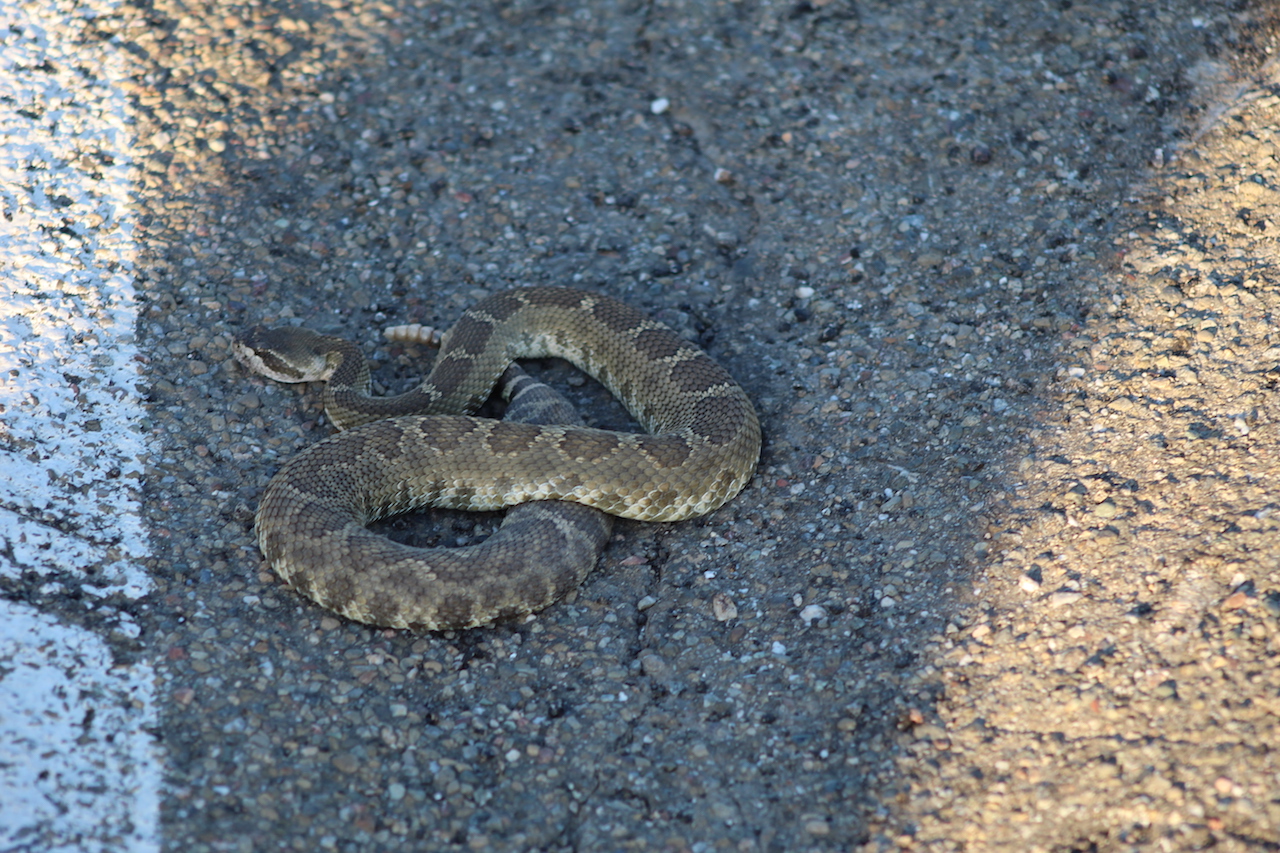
pixel 702 447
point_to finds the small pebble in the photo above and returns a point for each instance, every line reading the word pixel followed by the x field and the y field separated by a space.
pixel 812 613
pixel 1106 509
pixel 346 762
pixel 1063 598
pixel 817 827
pixel 653 665
pixel 1235 601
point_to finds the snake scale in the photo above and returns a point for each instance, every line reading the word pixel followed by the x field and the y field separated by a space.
pixel 423 448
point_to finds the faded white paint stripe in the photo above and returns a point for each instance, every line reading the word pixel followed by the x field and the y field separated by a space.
pixel 77 773
pixel 77 770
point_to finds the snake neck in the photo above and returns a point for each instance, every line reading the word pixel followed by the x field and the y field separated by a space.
pixel 349 403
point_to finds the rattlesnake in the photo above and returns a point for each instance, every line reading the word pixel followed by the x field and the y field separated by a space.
pixel 702 447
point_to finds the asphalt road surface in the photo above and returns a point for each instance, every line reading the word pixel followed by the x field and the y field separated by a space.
pixel 1001 279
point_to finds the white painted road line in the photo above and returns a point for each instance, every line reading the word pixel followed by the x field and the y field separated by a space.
pixel 78 771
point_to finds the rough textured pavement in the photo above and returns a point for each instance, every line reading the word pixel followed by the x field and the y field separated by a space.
pixel 1002 280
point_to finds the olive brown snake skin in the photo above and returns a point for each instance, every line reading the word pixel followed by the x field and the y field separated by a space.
pixel 423 448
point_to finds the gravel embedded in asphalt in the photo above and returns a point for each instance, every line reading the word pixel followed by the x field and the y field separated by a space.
pixel 1000 279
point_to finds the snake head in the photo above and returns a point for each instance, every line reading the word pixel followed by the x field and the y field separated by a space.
pixel 288 353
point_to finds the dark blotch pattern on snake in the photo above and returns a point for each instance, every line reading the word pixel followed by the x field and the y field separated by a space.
pixel 423 448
